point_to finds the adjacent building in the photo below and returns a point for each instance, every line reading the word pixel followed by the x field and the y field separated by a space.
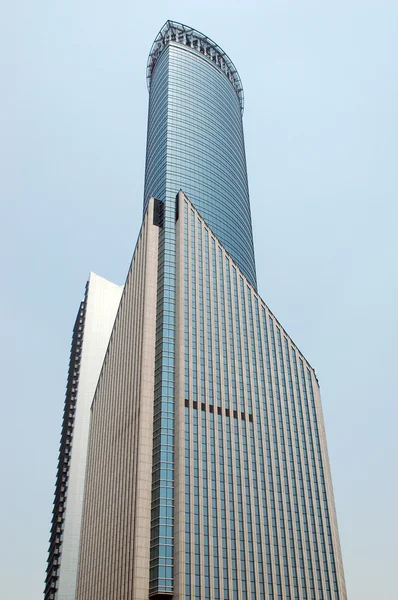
pixel 90 339
pixel 207 473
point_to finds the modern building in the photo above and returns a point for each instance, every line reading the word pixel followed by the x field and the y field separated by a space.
pixel 195 136
pixel 207 474
pixel 90 339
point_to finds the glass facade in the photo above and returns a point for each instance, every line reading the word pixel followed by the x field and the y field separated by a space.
pixel 195 143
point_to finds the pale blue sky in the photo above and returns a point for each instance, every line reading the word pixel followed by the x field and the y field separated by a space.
pixel 320 81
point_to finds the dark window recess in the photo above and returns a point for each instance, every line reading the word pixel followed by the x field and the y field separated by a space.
pixel 177 207
pixel 210 407
pixel 158 209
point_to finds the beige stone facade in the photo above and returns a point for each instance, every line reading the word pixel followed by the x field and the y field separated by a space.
pixel 114 551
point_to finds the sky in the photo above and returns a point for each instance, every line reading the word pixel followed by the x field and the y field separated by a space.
pixel 321 130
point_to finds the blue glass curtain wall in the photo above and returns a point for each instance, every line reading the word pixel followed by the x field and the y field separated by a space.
pixel 195 143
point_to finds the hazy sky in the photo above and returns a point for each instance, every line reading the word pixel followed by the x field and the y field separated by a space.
pixel 320 81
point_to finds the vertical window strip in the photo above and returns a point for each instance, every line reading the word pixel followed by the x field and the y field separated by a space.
pixel 162 523
pixel 256 434
pixel 247 426
pixel 196 507
pixel 233 566
pixel 202 464
pixel 208 323
pixel 265 458
pixel 305 481
pixel 229 427
pixel 255 549
pixel 189 491
pixel 216 323
pixel 323 515
pixel 229 294
pixel 245 347
pixel 233 484
pixel 314 484
pixel 194 363
pixel 201 332
pixel 223 327
pixel 297 476
pixel 290 483
pixel 205 509
pixel 222 509
pixel 215 506
pixel 317 487
pixel 250 576
pixel 186 306
pixel 240 382
pixel 238 339
pixel 274 490
pixel 281 485
pixel 188 567
pixel 245 572
pixel 218 473
pixel 239 488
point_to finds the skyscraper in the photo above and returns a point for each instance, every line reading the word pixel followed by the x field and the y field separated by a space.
pixel 207 471
pixel 195 136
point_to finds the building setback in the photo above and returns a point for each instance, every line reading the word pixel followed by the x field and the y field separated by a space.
pixel 207 471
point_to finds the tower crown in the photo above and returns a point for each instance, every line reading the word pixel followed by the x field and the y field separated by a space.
pixel 200 43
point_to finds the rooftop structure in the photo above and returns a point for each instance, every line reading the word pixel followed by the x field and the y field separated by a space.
pixel 183 34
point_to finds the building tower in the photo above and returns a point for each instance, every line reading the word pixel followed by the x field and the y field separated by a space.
pixel 195 136
pixel 207 473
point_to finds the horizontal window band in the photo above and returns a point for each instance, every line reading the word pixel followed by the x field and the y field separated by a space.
pixel 211 408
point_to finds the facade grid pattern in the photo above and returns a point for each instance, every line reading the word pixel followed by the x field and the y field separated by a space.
pixel 195 143
pixel 115 539
pixel 251 428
